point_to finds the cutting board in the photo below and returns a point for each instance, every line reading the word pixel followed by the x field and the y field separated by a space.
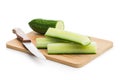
pixel 76 60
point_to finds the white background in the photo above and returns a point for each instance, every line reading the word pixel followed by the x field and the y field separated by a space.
pixel 98 18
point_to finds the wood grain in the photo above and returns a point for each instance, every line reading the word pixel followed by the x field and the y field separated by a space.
pixel 77 61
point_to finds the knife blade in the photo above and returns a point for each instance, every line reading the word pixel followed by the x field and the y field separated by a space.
pixel 27 43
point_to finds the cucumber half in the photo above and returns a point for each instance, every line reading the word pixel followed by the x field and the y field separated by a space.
pixel 71 48
pixel 42 25
pixel 77 38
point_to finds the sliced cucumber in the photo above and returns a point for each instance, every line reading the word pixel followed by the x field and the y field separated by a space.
pixel 81 39
pixel 43 42
pixel 42 25
pixel 71 48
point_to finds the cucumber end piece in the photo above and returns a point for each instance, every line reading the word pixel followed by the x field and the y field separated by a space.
pixel 42 25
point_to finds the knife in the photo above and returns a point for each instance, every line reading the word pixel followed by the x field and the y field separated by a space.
pixel 27 43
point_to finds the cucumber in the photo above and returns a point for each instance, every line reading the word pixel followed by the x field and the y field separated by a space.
pixel 42 25
pixel 77 38
pixel 43 42
pixel 71 48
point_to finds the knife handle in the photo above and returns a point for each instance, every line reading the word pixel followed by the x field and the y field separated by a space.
pixel 21 35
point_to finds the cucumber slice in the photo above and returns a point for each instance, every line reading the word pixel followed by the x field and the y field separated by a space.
pixel 42 25
pixel 81 39
pixel 71 48
pixel 43 42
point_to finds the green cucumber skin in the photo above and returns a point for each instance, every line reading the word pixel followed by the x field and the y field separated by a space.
pixel 42 25
pixel 77 38
pixel 71 48
pixel 41 43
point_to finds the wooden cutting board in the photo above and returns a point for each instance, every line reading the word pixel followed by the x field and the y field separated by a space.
pixel 78 60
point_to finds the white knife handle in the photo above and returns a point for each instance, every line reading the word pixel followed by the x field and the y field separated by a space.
pixel 21 35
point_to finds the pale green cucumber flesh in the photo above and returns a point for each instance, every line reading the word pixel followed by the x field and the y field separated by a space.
pixel 71 48
pixel 42 25
pixel 43 42
pixel 81 39
pixel 60 25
